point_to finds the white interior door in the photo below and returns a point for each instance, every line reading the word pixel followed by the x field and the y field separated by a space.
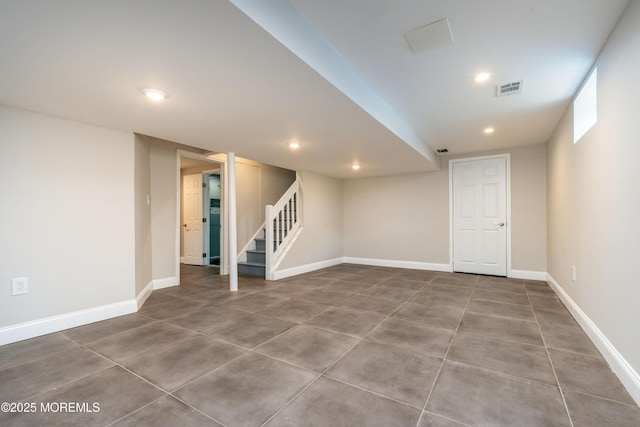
pixel 480 216
pixel 192 197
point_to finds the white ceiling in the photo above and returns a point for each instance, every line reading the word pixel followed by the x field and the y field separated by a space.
pixel 234 87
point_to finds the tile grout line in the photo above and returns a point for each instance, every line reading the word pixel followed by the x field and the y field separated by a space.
pixel 553 368
pixel 444 357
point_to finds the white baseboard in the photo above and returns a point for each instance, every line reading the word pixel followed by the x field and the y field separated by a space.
pixel 529 275
pixel 307 268
pixel 47 325
pixel 625 372
pixel 398 264
pixel 142 296
pixel 167 282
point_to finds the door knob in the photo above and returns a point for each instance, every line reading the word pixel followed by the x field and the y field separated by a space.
pixel 184 225
pixel 500 224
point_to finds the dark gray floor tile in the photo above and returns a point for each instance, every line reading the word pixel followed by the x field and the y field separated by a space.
pixel 402 282
pixel 588 374
pixel 326 296
pixel 497 279
pixel 351 322
pixel 507 357
pixel 294 310
pixel 476 396
pixel 246 391
pixel 22 381
pixel 372 304
pixel 174 308
pixel 206 318
pixel 468 282
pixel 395 372
pixel 115 391
pixel 421 275
pixel 432 420
pixel 567 338
pixel 500 309
pixel 434 315
pixel 502 287
pixel 389 291
pixel 353 285
pixel 450 296
pixel 178 363
pixel 255 302
pixel 540 291
pixel 180 291
pixel 308 347
pixel 413 336
pixel 331 403
pixel 166 411
pixel 285 290
pixel 554 316
pixel 249 330
pixel 158 298
pixel 498 296
pixel 95 331
pixel 33 349
pixel 500 327
pixel 590 411
pixel 126 344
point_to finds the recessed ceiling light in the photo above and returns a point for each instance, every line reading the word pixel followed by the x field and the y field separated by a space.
pixel 489 130
pixel 155 94
pixel 294 145
pixel 482 77
pixel 355 167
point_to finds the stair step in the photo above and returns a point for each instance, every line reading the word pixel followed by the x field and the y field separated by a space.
pixel 251 269
pixel 256 256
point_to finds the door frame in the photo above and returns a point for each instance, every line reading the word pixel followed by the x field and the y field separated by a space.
pixel 507 157
pixel 221 161
pixel 206 199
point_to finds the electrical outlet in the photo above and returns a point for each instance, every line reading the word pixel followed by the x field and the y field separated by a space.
pixel 19 286
pixel 573 273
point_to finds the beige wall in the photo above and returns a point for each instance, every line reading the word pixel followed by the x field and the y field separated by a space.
pixel 68 215
pixel 142 190
pixel 398 218
pixel 321 238
pixel 406 217
pixel 593 198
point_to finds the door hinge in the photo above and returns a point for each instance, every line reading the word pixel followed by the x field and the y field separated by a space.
pixel 204 219
pixel 204 255
pixel 204 185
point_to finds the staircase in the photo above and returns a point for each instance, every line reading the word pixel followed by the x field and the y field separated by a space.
pixel 263 255
pixel 255 264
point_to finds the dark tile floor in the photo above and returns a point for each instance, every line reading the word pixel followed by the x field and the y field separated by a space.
pixel 345 346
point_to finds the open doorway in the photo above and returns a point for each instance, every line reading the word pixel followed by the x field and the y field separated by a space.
pixel 201 213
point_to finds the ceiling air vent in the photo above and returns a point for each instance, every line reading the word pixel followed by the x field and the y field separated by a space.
pixel 511 88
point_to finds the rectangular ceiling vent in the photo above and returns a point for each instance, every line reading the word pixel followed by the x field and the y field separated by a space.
pixel 511 88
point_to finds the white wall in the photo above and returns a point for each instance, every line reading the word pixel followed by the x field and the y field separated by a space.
pixel 321 238
pixel 594 200
pixel 67 217
pixel 406 217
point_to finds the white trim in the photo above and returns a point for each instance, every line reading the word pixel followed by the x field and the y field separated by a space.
pixel 307 268
pixel 144 294
pixel 507 157
pixel 413 265
pixel 625 372
pixel 47 325
pixel 529 275
pixel 167 282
